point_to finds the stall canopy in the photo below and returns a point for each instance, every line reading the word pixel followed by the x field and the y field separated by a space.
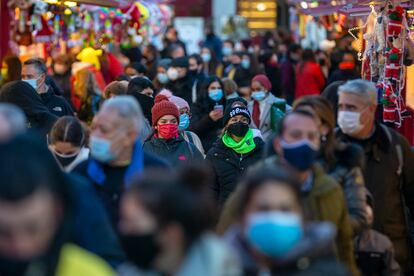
pixel 348 7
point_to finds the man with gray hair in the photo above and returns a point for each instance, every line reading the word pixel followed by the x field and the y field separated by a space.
pixel 12 122
pixel 116 151
pixel 388 171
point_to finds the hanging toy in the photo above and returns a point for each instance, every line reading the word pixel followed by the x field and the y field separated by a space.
pixel 395 18
pixel 22 34
pixel 132 15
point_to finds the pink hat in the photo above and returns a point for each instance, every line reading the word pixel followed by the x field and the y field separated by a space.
pixel 264 80
pixel 179 102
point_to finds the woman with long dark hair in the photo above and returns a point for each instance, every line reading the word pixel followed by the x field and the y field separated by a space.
pixel 208 112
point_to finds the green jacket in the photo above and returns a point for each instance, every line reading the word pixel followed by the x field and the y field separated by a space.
pixel 326 202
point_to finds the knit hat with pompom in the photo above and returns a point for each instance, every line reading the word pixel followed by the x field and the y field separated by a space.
pixel 163 107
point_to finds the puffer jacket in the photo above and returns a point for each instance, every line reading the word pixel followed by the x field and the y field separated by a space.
pixel 348 173
pixel 177 152
pixel 314 250
pixel 228 166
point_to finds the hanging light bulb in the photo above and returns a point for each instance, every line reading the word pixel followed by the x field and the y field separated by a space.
pixel 304 5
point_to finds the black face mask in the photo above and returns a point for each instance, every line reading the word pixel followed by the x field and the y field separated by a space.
pixel 13 267
pixel 141 249
pixel 238 129
pixel 65 161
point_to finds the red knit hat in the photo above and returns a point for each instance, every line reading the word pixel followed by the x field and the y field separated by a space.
pixel 163 107
pixel 264 80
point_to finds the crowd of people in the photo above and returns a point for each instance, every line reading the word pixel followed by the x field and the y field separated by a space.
pixel 243 159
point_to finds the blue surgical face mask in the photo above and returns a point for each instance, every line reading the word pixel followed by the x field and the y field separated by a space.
pixel 274 233
pixel 206 57
pixel 259 95
pixel 163 78
pixel 300 155
pixel 32 82
pixel 245 63
pixel 184 121
pixel 227 51
pixel 216 95
pixel 101 149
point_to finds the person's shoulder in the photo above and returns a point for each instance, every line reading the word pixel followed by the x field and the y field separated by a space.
pixel 77 261
pixel 323 182
pixel 349 155
pixel 81 168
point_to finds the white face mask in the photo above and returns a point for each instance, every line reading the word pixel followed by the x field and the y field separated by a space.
pixel 349 122
pixel 172 74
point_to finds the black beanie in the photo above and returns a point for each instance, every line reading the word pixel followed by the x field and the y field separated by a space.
pixel 181 62
pixel 237 108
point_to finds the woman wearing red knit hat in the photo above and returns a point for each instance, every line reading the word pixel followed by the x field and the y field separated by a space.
pixel 266 109
pixel 166 142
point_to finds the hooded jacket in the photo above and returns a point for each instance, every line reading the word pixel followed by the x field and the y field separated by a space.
pixel 24 96
pixel 315 249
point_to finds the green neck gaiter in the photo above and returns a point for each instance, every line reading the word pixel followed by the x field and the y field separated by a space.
pixel 246 145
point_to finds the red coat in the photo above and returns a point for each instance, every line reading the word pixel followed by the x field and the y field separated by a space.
pixel 310 80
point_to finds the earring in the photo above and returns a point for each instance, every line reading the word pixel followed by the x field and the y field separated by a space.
pixel 323 138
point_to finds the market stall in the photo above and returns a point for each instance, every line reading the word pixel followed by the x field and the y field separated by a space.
pixel 384 42
pixel 45 27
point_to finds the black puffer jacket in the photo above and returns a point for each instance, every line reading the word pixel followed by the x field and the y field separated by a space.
pixel 177 152
pixel 228 166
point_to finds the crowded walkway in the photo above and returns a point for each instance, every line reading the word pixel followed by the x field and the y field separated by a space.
pixel 243 158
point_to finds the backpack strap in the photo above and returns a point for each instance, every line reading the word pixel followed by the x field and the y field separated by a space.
pixel 398 149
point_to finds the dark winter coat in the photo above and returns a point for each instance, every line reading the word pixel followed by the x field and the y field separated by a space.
pixel 177 152
pixel 314 249
pixel 57 105
pixel 181 88
pixel 347 171
pixel 375 254
pixel 110 190
pixel 25 97
pixel 63 81
pixel 228 166
pixel 201 123
pixel 93 229
pixel 388 178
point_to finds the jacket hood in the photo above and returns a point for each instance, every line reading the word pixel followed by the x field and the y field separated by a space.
pixel 350 155
pixel 146 104
pixel 24 96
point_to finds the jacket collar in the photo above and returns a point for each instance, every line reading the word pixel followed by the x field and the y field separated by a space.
pixel 95 169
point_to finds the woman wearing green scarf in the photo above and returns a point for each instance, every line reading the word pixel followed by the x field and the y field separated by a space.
pixel 237 149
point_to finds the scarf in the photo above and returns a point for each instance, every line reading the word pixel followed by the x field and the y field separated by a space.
pixel 246 145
